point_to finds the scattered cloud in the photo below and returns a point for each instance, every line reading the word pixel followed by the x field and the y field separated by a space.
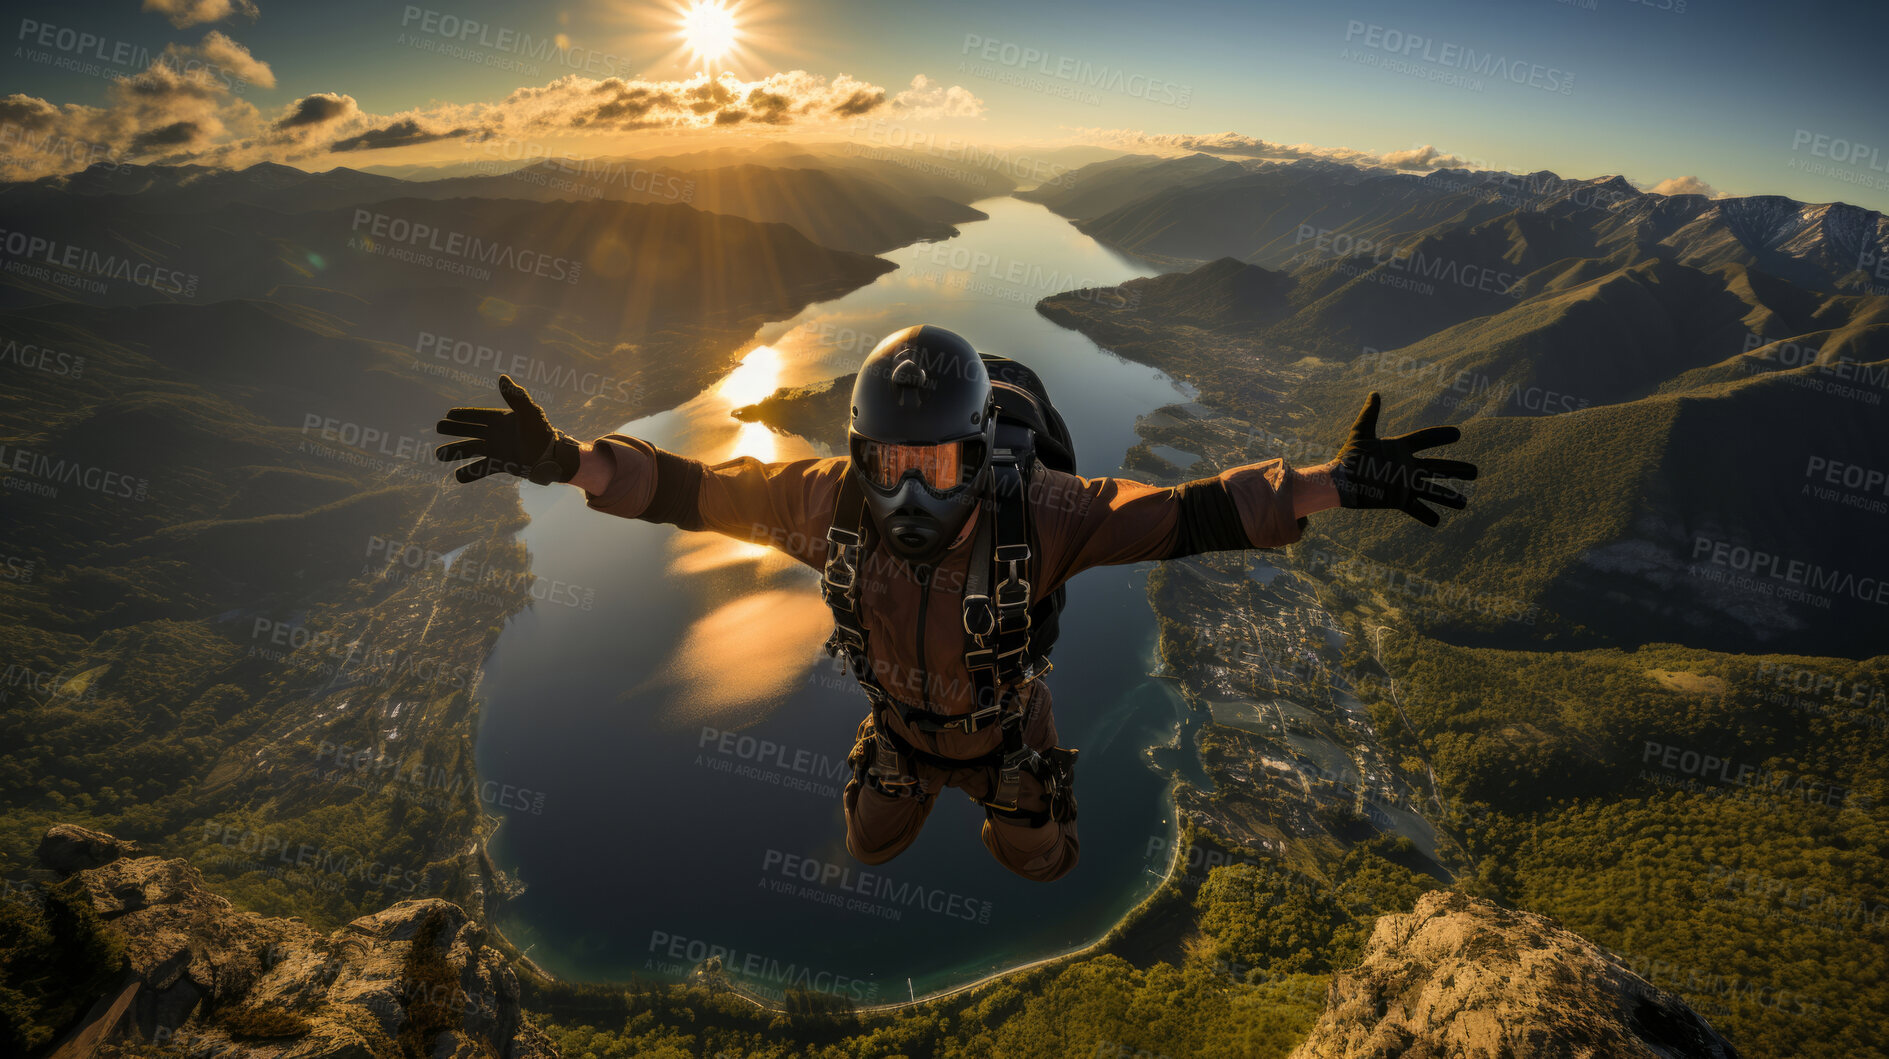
pixel 219 52
pixel 188 106
pixel 929 99
pixel 575 103
pixel 1238 145
pixel 1425 157
pixel 184 13
pixel 1685 185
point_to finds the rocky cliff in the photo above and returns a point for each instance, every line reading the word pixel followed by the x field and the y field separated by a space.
pixel 208 979
pixel 1455 977
pixel 1461 977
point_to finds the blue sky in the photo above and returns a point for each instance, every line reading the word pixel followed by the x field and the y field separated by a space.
pixel 1736 94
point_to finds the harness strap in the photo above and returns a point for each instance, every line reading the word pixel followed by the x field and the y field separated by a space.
pixel 839 586
pixel 997 619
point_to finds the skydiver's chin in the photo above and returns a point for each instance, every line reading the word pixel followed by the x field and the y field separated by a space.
pixel 915 539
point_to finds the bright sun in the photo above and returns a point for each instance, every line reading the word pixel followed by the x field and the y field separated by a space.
pixel 709 29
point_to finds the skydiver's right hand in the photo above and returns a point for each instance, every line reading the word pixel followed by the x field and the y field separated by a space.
pixel 518 440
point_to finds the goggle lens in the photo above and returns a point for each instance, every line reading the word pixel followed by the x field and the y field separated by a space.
pixel 883 464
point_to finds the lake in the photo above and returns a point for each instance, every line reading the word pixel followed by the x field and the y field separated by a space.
pixel 689 736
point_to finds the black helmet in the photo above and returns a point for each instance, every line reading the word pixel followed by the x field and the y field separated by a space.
pixel 921 438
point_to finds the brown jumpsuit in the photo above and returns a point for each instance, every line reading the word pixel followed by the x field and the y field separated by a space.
pixel 915 631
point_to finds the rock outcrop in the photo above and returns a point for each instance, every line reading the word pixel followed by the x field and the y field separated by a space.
pixel 818 412
pixel 1461 977
pixel 214 980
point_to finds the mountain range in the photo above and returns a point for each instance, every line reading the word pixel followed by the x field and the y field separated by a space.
pixel 1624 374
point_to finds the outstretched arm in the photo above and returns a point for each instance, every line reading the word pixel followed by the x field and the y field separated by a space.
pixel 1102 521
pixel 786 505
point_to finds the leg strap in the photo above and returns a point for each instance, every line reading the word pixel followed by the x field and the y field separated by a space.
pixel 878 759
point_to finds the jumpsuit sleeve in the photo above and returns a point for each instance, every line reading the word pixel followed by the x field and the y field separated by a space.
pixel 1085 522
pixel 786 505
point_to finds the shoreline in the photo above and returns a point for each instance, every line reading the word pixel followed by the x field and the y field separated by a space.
pixel 1175 857
pixel 1106 930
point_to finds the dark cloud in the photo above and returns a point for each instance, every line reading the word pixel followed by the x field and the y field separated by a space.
pixel 860 102
pixel 176 134
pixel 315 110
pixel 400 134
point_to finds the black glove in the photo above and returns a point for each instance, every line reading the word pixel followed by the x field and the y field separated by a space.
pixel 1385 472
pixel 518 440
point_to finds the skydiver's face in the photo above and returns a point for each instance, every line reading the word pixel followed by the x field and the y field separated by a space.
pixel 919 526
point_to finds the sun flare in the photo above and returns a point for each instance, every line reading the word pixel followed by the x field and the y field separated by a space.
pixel 709 29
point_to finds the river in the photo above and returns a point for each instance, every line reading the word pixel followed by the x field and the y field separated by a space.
pixel 684 739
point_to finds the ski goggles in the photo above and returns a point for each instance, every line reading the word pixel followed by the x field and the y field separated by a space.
pixel 942 466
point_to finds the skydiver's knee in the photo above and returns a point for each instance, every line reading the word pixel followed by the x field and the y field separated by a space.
pixel 1044 852
pixel 880 824
pixel 1049 871
pixel 854 846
